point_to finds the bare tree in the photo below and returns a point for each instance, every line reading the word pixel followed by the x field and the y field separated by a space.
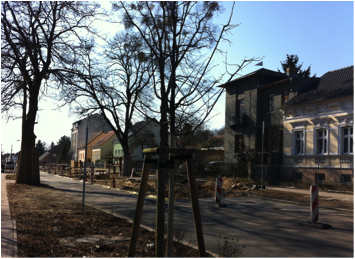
pixel 109 82
pixel 37 38
pixel 143 136
pixel 182 41
pixel 219 131
pixel 191 138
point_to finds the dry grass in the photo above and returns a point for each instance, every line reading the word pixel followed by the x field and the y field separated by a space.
pixel 49 223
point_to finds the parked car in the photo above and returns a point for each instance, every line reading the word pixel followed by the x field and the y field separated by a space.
pixel 10 165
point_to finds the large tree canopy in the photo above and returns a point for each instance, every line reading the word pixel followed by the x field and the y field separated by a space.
pixel 37 39
pixel 182 40
pixel 63 151
pixel 110 81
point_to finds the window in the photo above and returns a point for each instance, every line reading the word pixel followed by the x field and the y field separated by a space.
pixel 271 103
pixel 348 140
pixel 238 145
pixel 346 178
pixel 319 177
pixel 299 143
pixel 297 177
pixel 241 107
pixel 285 96
pixel 322 142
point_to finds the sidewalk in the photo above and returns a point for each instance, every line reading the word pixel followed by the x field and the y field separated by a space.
pixel 8 226
pixel 324 194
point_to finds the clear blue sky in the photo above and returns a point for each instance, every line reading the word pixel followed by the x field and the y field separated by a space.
pixel 320 33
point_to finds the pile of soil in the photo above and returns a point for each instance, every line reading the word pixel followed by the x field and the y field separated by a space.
pixel 51 224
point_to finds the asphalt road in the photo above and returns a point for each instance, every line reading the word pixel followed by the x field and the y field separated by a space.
pixel 263 228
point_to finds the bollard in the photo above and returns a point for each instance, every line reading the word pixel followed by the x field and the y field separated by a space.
pixel 113 182
pixel 119 172
pixel 55 171
pixel 132 173
pixel 314 202
pixel 70 174
pixel 62 172
pixel 92 174
pixel 49 170
pixel 218 189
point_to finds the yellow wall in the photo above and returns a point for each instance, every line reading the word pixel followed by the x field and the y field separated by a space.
pixel 287 144
pixel 107 146
pixel 333 141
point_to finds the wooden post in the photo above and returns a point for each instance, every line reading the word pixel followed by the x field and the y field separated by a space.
pixel 139 207
pixel 160 216
pixel 196 208
pixel 170 227
pixel 120 165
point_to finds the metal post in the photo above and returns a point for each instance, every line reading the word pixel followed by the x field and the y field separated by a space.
pixel 262 157
pixel 86 152
pixel 139 207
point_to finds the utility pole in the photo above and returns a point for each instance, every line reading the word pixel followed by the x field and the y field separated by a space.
pixel 86 154
pixel 262 156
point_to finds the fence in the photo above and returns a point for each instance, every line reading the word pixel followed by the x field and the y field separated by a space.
pixel 270 172
pixel 298 174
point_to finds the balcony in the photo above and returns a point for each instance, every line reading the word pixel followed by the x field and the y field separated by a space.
pixel 237 120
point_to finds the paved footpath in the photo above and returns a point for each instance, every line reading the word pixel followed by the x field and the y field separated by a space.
pixel 324 194
pixel 264 228
pixel 8 226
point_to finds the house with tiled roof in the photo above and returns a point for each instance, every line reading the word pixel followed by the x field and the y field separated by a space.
pixel 50 156
pixel 91 141
pixel 214 143
pixel 142 134
pixel 318 131
pixel 96 123
pixel 102 146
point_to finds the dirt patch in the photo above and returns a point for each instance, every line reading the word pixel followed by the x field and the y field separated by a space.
pixel 51 224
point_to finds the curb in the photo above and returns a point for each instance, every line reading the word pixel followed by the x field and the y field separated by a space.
pixel 11 245
pixel 15 244
pixel 149 228
pixel 131 220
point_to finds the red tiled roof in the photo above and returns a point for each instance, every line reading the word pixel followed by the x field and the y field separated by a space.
pixel 91 139
pixel 104 138
pixel 215 141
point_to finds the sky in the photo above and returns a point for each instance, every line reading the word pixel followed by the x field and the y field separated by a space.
pixel 320 33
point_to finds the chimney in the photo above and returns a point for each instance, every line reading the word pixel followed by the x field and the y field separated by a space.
pixel 291 71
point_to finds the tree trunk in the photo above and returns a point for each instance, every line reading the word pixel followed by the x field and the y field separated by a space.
pixel 127 165
pixel 28 164
pixel 28 167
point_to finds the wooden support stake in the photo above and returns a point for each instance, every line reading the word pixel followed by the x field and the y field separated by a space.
pixel 160 216
pixel 170 232
pixel 139 208
pixel 196 208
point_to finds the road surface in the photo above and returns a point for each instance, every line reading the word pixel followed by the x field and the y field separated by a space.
pixel 263 228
